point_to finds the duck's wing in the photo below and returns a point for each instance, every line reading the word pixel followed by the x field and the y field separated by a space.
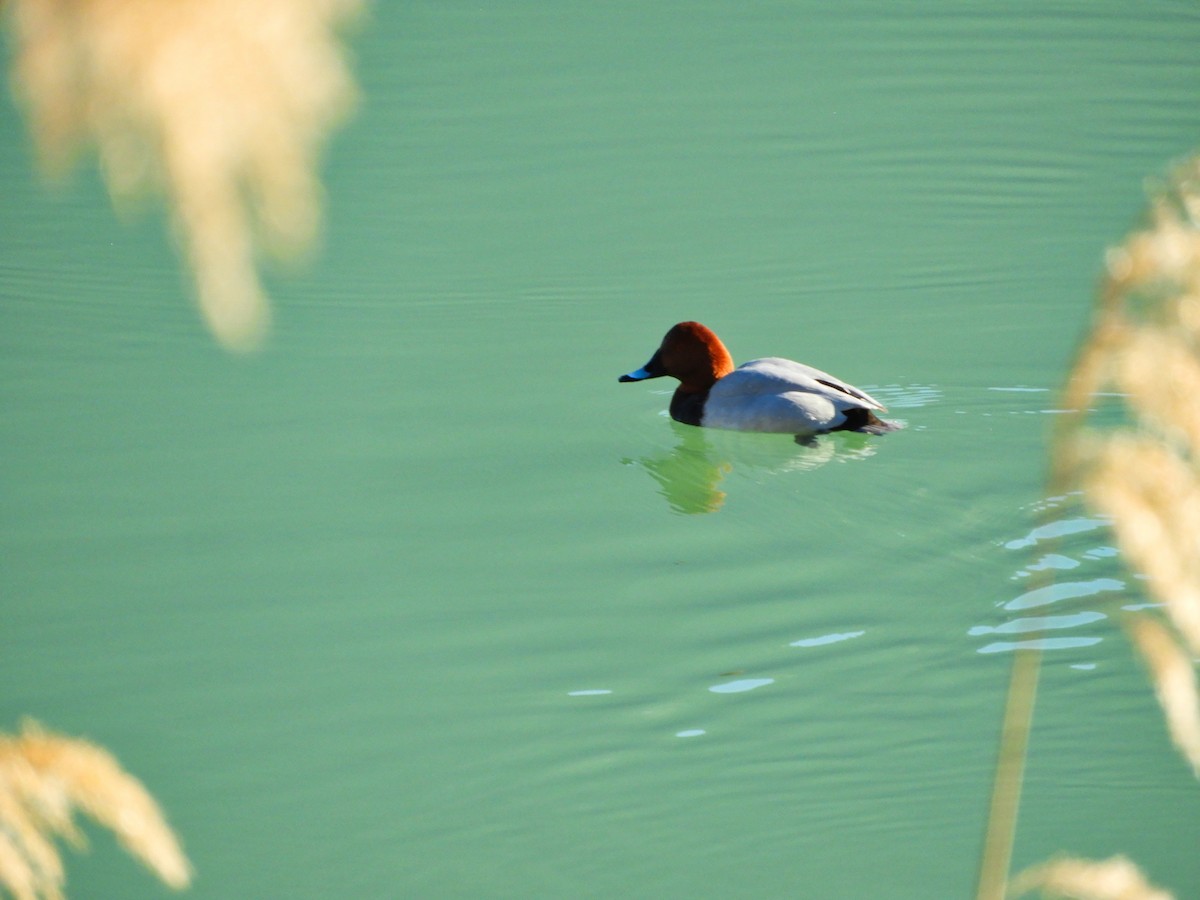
pixel 775 375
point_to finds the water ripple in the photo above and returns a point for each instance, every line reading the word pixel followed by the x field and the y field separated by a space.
pixel 1051 643
pixel 1063 554
pixel 1058 529
pixel 740 686
pixel 1049 561
pixel 1064 590
pixel 906 396
pixel 826 639
pixel 1039 623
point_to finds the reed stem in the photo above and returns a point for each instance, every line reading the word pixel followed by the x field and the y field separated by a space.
pixel 1010 771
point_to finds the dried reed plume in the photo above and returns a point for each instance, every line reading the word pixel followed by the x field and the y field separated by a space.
pixel 44 777
pixel 1130 442
pixel 1143 471
pixel 1082 879
pixel 220 105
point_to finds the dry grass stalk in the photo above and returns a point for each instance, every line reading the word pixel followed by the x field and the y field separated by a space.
pixel 44 778
pixel 1083 879
pixel 1010 773
pixel 1174 679
pixel 1144 472
pixel 220 105
pixel 1153 497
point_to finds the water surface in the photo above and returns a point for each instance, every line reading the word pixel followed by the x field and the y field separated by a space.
pixel 418 601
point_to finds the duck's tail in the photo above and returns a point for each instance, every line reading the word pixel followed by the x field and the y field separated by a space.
pixel 866 422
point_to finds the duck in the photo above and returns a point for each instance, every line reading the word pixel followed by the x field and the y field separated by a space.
pixel 768 395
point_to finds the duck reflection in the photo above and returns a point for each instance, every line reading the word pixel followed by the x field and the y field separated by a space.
pixel 690 474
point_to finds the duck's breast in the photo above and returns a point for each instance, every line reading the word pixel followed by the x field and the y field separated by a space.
pixel 781 395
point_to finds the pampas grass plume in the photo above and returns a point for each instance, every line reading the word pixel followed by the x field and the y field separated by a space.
pixel 44 779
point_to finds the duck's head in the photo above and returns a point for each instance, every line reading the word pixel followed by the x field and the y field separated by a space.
pixel 691 353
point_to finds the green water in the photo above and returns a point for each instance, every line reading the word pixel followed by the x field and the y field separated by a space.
pixel 346 605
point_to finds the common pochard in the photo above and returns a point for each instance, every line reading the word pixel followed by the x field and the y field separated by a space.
pixel 770 394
